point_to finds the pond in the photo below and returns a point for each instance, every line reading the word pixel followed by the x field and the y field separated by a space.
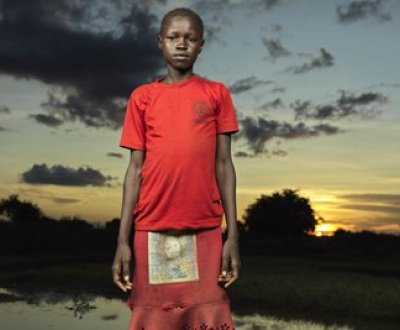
pixel 40 311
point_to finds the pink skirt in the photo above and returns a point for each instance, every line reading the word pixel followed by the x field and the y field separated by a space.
pixel 175 282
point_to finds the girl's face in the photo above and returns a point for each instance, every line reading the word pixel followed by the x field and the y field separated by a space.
pixel 180 42
pixel 172 248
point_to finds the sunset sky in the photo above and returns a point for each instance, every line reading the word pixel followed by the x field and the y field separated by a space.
pixel 316 86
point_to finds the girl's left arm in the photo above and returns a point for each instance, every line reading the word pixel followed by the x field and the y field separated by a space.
pixel 226 180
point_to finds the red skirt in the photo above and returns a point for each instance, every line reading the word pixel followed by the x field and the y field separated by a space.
pixel 175 282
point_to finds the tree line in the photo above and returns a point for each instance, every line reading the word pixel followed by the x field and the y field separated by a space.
pixel 282 222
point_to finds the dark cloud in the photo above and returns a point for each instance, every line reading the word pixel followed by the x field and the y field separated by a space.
pixel 211 34
pixel 347 105
pixel 90 67
pixel 384 209
pixel 391 209
pixel 242 154
pixel 65 176
pixel 278 90
pixel 115 154
pixel 4 129
pixel 359 10
pixel 209 5
pixel 323 61
pixel 275 152
pixel 60 200
pixel 4 110
pixel 277 103
pixel 270 4
pixel 258 131
pixel 279 152
pixel 275 48
pixel 393 199
pixel 276 28
pixel 390 85
pixel 48 120
pixel 243 85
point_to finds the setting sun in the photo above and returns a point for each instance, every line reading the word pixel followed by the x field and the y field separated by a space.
pixel 325 229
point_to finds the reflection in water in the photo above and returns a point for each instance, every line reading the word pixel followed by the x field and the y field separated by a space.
pixel 81 306
pixel 50 310
pixel 258 322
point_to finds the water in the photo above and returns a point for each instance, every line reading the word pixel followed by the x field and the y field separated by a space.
pixel 43 311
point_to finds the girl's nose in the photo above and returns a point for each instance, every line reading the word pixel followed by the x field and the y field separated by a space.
pixel 181 43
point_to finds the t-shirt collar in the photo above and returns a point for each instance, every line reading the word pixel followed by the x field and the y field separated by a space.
pixel 177 84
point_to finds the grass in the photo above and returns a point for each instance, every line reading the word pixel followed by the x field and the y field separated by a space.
pixel 316 287
pixel 297 287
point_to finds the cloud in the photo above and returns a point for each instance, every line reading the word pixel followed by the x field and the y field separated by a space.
pixel 270 4
pixel 48 120
pixel 61 200
pixel 393 199
pixel 246 84
pixel 380 210
pixel 211 34
pixel 278 90
pixel 4 129
pixel 323 61
pixel 65 176
pixel 210 5
pixel 394 85
pixel 258 131
pixel 242 154
pixel 359 10
pixel 115 154
pixel 275 48
pixel 373 208
pixel 347 105
pixel 277 103
pixel 90 55
pixel 276 28
pixel 5 110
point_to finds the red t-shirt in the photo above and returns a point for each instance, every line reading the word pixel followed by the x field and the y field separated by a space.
pixel 176 125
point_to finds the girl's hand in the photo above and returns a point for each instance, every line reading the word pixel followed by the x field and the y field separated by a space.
pixel 230 262
pixel 121 267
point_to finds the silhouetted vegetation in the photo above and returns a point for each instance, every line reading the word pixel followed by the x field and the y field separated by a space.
pixel 24 229
pixel 283 213
pixel 19 211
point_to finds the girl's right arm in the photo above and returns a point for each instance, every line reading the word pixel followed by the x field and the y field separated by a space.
pixel 123 255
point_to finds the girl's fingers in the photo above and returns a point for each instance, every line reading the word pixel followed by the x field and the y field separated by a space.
pixel 123 283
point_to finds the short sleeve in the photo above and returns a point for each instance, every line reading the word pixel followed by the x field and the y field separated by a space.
pixel 133 134
pixel 226 116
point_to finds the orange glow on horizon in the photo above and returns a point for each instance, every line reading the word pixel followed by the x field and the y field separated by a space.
pixel 325 229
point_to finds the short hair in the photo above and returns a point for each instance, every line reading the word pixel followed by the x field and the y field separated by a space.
pixel 183 12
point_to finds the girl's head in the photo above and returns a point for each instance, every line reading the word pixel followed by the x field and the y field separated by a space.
pixel 183 12
pixel 181 39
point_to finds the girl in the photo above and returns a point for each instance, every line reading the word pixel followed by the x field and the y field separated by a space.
pixel 179 182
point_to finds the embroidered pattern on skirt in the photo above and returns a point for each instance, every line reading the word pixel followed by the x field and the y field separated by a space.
pixel 206 327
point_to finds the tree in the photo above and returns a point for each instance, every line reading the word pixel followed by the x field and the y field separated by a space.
pixel 19 211
pixel 282 213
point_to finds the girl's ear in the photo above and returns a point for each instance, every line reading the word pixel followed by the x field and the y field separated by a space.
pixel 159 41
pixel 201 46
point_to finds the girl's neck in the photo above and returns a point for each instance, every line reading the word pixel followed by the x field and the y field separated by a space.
pixel 175 76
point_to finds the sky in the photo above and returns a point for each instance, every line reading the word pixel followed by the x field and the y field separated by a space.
pixel 315 86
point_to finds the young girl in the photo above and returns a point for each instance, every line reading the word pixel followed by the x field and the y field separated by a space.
pixel 179 182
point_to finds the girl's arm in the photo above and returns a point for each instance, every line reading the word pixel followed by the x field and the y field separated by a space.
pixel 123 255
pixel 226 180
